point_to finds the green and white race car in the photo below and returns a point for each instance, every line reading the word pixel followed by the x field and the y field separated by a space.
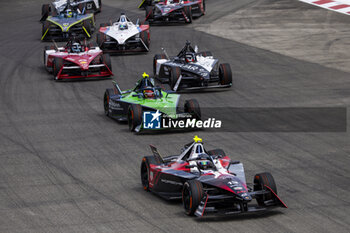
pixel 144 106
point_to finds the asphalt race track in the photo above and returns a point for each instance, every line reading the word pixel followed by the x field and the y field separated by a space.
pixel 65 167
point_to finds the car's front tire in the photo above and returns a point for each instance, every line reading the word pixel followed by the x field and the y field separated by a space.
pixel 262 180
pixel 174 76
pixel 106 98
pixel 192 107
pixel 192 194
pixel 134 116
pixel 225 74
pixel 57 66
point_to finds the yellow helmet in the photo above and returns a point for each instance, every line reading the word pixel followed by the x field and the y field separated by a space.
pixel 197 139
pixel 144 75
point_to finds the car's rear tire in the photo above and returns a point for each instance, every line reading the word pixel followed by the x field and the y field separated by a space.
pixel 45 27
pixel 57 66
pixel 82 6
pixel 225 74
pixel 155 58
pixel 134 116
pixel 100 4
pixel 260 180
pixel 100 39
pixel 45 11
pixel 149 12
pixel 192 194
pixel 203 7
pixel 188 13
pixel 92 45
pixel 106 98
pixel 192 107
pixel 105 24
pixel 174 76
pixel 206 54
pixel 145 38
pixel 106 59
pixel 87 26
pixel 218 152
pixel 145 168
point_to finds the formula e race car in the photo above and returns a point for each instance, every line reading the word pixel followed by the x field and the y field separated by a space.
pixel 76 60
pixel 170 11
pixel 207 182
pixel 197 6
pixel 70 21
pixel 58 6
pixel 191 70
pixel 123 36
pixel 144 106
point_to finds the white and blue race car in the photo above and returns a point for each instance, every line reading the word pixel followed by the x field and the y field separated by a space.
pixel 123 36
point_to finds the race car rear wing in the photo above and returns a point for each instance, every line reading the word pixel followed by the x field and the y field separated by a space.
pixel 157 156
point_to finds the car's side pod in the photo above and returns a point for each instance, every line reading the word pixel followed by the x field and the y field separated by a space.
pixel 278 200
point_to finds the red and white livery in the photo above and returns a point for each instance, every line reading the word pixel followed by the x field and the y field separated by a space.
pixel 77 61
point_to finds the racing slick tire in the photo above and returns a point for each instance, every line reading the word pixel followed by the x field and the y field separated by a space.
pixel 206 54
pixel 134 116
pixel 149 13
pixel 105 24
pixel 45 11
pixel 225 74
pixel 203 7
pixel 192 194
pixel 47 47
pixel 145 166
pixel 106 99
pixel 56 67
pixel 92 45
pixel 46 26
pixel 100 4
pixel 188 13
pixel 145 38
pixel 192 107
pixel 155 58
pixel 100 39
pixel 83 6
pixel 260 181
pixel 218 152
pixel 174 76
pixel 106 59
pixel 87 26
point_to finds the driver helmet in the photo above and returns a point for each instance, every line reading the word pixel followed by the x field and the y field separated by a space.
pixel 76 47
pixel 190 57
pixel 170 2
pixel 69 13
pixel 148 93
pixel 123 26
pixel 205 164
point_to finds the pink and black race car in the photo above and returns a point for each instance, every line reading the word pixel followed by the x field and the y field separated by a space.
pixel 76 60
pixel 174 11
pixel 207 182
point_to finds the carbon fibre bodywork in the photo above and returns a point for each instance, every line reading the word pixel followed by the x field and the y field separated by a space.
pixel 224 188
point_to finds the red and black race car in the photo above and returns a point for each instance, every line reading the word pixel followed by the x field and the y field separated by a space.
pixel 207 182
pixel 77 60
pixel 175 11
